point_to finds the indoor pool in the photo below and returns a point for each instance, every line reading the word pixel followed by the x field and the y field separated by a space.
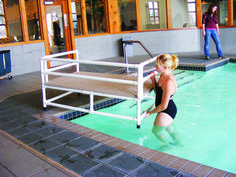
pixel 205 120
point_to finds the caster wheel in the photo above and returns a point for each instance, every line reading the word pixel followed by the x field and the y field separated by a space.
pixel 138 126
pixel 10 77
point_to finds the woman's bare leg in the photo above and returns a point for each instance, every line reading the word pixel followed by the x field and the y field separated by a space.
pixel 159 132
pixel 162 121
pixel 174 134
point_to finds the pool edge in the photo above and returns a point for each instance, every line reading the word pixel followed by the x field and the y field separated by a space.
pixel 165 159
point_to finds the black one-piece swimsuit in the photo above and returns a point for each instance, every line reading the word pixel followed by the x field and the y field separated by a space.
pixel 171 109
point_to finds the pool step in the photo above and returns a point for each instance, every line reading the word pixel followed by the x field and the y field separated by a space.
pixel 184 78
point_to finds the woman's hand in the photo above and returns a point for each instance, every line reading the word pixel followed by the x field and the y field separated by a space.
pixel 153 78
pixel 146 114
pixel 203 32
pixel 217 29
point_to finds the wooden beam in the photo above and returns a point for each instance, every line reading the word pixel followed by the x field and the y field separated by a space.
pixel 108 17
pixel 71 29
pixel 25 31
pixel 44 26
pixel 138 16
pixel 168 13
pixel 70 25
pixel 230 12
pixel 106 9
pixel 84 18
pixel 113 17
pixel 44 29
pixel 198 14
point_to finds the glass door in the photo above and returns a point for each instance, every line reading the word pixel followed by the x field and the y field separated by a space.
pixel 57 26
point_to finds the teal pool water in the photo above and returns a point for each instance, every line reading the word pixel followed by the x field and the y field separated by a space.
pixel 205 120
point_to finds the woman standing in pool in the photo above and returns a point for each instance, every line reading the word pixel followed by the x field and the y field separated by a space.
pixel 210 28
pixel 164 88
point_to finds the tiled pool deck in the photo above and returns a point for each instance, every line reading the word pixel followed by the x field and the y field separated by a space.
pixel 34 142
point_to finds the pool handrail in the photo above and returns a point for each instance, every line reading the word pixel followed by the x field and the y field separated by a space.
pixel 131 42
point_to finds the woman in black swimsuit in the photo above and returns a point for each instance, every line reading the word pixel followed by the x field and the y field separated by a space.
pixel 165 88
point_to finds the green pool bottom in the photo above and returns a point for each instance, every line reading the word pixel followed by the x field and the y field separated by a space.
pixel 205 120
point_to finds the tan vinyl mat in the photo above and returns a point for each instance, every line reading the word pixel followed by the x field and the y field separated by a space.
pixel 97 86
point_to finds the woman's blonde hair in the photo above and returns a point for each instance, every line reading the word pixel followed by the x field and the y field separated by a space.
pixel 170 61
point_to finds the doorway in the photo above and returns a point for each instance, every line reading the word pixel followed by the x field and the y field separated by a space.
pixel 57 26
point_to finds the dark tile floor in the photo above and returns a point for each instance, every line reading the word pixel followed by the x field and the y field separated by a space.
pixel 63 149
pixel 76 152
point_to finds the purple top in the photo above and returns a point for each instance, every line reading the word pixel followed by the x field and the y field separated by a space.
pixel 209 21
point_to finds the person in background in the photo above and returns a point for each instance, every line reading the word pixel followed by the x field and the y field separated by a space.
pixel 210 29
pixel 164 88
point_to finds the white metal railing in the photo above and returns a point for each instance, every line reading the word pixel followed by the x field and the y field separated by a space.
pixel 67 62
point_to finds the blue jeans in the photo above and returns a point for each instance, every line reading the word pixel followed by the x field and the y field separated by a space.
pixel 215 37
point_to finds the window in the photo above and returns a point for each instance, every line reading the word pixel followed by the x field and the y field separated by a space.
pixel 127 15
pixel 96 17
pixel 3 29
pixel 192 12
pixel 153 14
pixel 32 14
pixel 183 13
pixel 153 9
pixel 223 12
pixel 77 17
pixel 11 22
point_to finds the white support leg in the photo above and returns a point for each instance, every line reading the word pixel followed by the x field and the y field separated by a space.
pixel 139 113
pixel 77 58
pixel 44 98
pixel 140 94
pixel 43 80
pixel 91 103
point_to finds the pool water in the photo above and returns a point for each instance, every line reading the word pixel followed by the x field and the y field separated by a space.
pixel 205 120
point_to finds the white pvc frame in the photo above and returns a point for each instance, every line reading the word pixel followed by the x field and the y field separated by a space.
pixel 45 72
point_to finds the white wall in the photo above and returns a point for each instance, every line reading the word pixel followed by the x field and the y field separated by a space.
pixel 25 58
pixel 98 47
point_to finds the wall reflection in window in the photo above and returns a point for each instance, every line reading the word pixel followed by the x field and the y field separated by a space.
pixel 127 14
pixel 96 18
pixel 13 20
pixel 183 13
